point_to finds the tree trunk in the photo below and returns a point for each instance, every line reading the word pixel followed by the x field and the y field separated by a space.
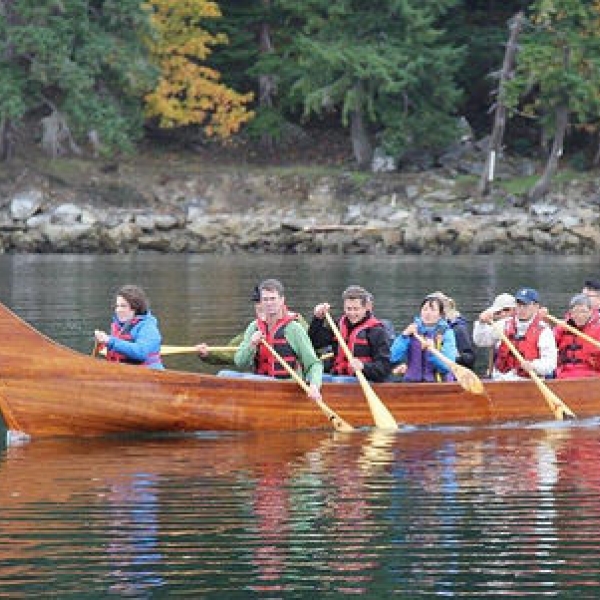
pixel 562 122
pixel 543 184
pixel 7 140
pixel 596 160
pixel 267 85
pixel 361 145
pixel 56 135
pixel 495 145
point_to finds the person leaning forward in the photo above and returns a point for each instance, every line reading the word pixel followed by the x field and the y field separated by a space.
pixel 531 336
pixel 281 329
pixel 364 334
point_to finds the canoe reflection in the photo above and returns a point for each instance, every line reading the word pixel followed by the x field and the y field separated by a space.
pixel 289 514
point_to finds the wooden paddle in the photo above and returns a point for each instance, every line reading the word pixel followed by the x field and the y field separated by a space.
pixel 574 330
pixel 467 379
pixel 170 350
pixel 381 415
pixel 557 406
pixel 167 350
pixel 337 421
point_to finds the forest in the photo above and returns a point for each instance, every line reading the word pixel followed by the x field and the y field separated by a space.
pixel 100 76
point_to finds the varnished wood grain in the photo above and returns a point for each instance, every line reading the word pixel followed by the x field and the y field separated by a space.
pixel 47 390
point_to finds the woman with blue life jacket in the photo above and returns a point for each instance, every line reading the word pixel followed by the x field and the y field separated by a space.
pixel 416 363
pixel 460 326
pixel 134 335
pixel 364 334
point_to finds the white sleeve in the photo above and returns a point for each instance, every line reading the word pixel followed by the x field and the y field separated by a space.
pixel 485 335
pixel 546 363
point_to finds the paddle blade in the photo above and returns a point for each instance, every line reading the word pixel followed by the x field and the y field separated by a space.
pixel 338 423
pixel 467 379
pixel 559 408
pixel 381 415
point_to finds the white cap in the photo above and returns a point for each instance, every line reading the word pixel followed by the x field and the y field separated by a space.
pixel 503 301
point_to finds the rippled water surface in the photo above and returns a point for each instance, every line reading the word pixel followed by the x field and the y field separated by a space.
pixel 498 512
pixel 469 513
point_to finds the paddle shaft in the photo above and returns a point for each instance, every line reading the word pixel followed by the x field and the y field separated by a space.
pixel 574 330
pixel 166 350
pixel 557 406
pixel 333 417
pixel 381 415
pixel 434 350
pixel 467 378
pixel 171 350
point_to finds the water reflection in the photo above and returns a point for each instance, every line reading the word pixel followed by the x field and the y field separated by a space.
pixel 454 512
pixel 132 534
pixel 450 512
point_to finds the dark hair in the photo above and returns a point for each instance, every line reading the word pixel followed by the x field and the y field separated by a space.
pixel 136 297
pixel 272 285
pixel 434 301
pixel 356 292
pixel 255 295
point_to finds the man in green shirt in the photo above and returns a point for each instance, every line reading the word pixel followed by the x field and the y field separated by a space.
pixel 225 356
pixel 281 329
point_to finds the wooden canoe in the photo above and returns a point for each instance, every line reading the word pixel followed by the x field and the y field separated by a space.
pixel 47 389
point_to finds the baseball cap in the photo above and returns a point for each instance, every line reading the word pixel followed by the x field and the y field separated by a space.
pixel 592 284
pixel 502 301
pixel 527 296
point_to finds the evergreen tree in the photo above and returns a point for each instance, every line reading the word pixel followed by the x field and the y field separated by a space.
pixel 558 73
pixel 481 28
pixel 81 62
pixel 382 66
pixel 254 29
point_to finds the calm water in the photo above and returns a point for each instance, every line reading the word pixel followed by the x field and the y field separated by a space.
pixel 488 512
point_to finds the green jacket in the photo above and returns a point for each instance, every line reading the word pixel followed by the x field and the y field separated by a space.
pixel 297 338
pixel 225 357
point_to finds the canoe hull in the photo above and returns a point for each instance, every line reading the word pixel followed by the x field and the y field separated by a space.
pixel 49 390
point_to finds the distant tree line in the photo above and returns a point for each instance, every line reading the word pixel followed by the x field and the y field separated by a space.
pixel 392 73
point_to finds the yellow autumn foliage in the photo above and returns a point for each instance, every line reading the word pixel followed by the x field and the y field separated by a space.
pixel 188 92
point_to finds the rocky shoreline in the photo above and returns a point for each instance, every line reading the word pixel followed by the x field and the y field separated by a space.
pixel 284 211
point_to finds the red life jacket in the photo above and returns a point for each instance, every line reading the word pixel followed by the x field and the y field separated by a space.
pixel 576 356
pixel 124 333
pixel 358 343
pixel 265 362
pixel 527 346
